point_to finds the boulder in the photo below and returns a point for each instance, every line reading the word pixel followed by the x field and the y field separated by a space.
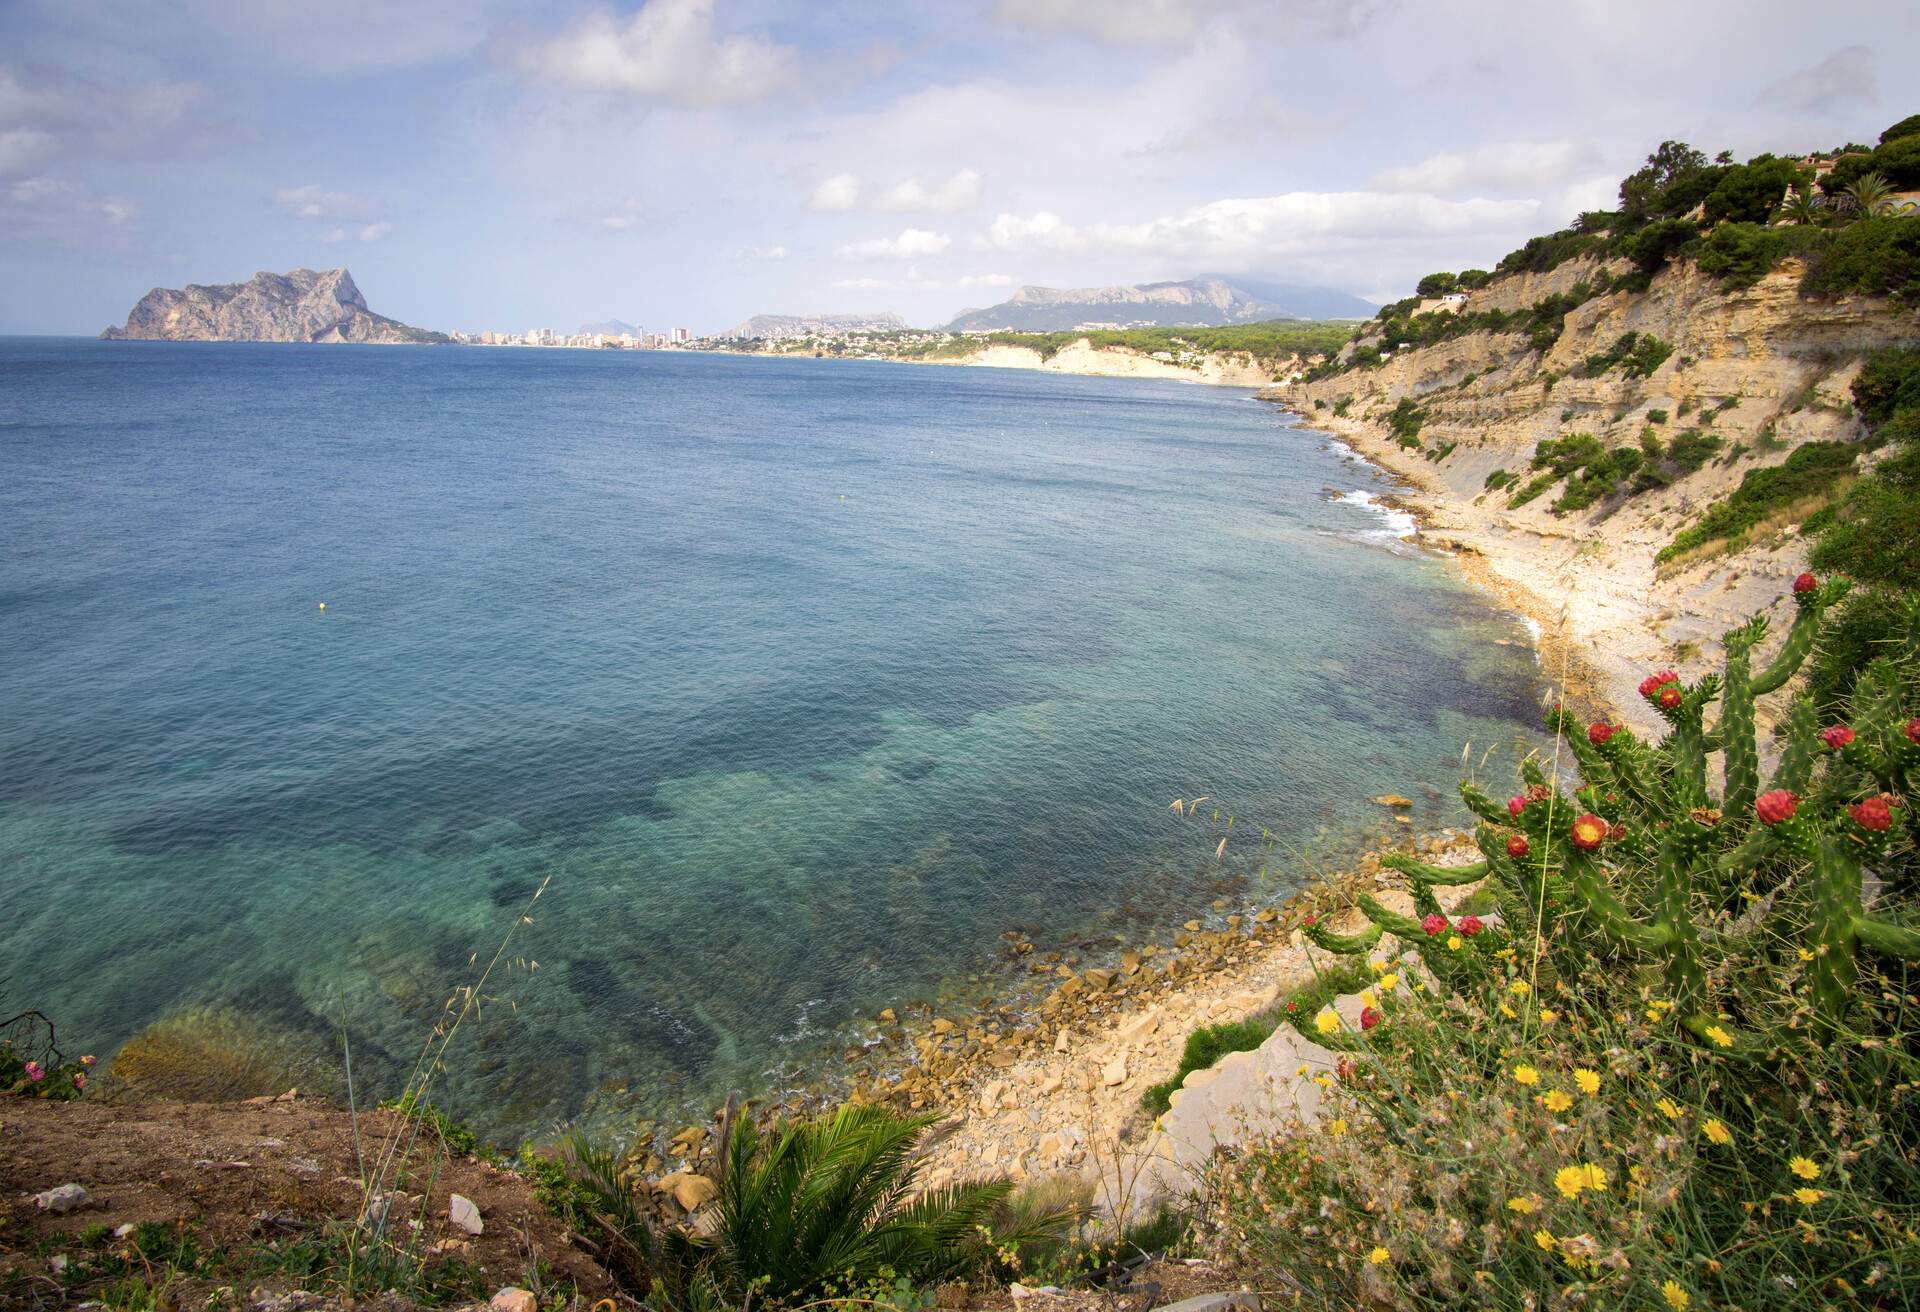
pixel 62 1199
pixel 1245 1300
pixel 462 1212
pixel 513 1299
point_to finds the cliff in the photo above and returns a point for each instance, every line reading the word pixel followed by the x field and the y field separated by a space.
pixel 1194 302
pixel 1751 375
pixel 301 306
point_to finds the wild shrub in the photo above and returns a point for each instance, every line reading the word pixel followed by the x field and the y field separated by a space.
pixel 1810 472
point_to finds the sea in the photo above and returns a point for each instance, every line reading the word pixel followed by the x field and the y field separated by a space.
pixel 686 708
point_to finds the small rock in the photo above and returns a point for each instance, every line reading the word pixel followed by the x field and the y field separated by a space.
pixel 1245 1300
pixel 1388 799
pixel 1115 1072
pixel 887 1017
pixel 58 1264
pixel 514 1299
pixel 62 1198
pixel 124 1230
pixel 693 1192
pixel 1060 1040
pixel 462 1212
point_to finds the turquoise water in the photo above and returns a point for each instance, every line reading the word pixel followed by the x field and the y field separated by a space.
pixel 801 680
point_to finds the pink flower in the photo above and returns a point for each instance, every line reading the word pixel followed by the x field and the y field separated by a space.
pixel 36 1072
pixel 1872 814
pixel 1369 1017
pixel 1434 923
pixel 1804 584
pixel 1913 729
pixel 79 1079
pixel 1669 697
pixel 1517 846
pixel 1598 733
pixel 1837 736
pixel 1515 805
pixel 88 1060
pixel 1776 806
pixel 1470 925
pixel 1309 919
pixel 1655 682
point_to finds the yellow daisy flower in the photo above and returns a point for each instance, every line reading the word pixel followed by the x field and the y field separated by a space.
pixel 1670 1108
pixel 1367 998
pixel 1519 988
pixel 1545 1239
pixel 1570 1180
pixel 1327 1021
pixel 1588 1080
pixel 1337 1128
pixel 1719 1036
pixel 1526 1075
pixel 1548 1016
pixel 1389 982
pixel 1804 1167
pixel 1378 1255
pixel 1807 1197
pixel 1804 954
pixel 1677 1298
pixel 1455 942
pixel 1557 1100
pixel 1716 1131
pixel 1524 1206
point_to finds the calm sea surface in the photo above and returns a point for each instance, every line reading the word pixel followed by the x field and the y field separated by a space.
pixel 802 680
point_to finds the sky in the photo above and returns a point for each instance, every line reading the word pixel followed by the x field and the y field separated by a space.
pixel 491 164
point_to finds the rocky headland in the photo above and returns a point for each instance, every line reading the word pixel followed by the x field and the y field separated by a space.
pixel 305 305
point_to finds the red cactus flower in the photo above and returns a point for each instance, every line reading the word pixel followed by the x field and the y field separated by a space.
pixel 1517 846
pixel 1598 733
pixel 1776 806
pixel 1872 814
pixel 1913 729
pixel 1656 681
pixel 1515 805
pixel 1804 584
pixel 1292 1005
pixel 1369 1017
pixel 1669 697
pixel 1589 831
pixel 1433 924
pixel 1309 919
pixel 1617 831
pixel 1538 793
pixel 1470 925
pixel 1837 736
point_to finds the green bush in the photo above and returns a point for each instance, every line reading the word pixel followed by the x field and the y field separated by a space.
pixel 1652 246
pixel 1752 192
pixel 1404 422
pixel 1741 253
pixel 1906 127
pixel 1888 382
pixel 1870 255
pixel 1870 624
pixel 1811 471
pixel 1640 354
pixel 1656 416
pixel 1436 284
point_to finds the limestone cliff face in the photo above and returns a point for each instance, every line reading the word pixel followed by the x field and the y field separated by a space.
pixel 302 306
pixel 1760 368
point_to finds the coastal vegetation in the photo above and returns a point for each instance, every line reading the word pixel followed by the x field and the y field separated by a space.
pixel 1675 1068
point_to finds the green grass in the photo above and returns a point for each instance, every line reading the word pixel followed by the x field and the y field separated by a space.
pixel 1810 473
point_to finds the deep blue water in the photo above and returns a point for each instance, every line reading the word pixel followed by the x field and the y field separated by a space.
pixel 803 680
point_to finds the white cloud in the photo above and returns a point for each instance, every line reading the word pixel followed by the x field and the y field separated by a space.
pixel 956 193
pixel 1044 231
pixel 1497 166
pixel 29 191
pixel 49 116
pixel 667 51
pixel 1115 22
pixel 911 244
pixel 114 211
pixel 1844 77
pixel 985 280
pixel 839 192
pixel 1257 230
pixel 314 202
pixel 375 231
pixel 369 232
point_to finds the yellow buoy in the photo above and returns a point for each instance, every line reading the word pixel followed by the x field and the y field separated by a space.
pixel 323 605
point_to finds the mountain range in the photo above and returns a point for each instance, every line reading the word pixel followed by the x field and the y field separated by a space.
pixel 1210 300
pixel 305 305
pixel 799 325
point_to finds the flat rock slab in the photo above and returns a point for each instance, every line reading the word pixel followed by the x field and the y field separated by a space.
pixel 1243 1299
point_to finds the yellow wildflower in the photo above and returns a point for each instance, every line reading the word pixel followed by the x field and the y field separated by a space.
pixel 1378 1255
pixel 1716 1131
pixel 1509 1012
pixel 1367 998
pixel 1548 1016
pixel 1677 1298
pixel 1588 1080
pixel 1807 1197
pixel 1389 982
pixel 1526 1075
pixel 1519 988
pixel 1670 1108
pixel 1805 955
pixel 1720 1037
pixel 1804 1168
pixel 1324 1081
pixel 1338 1128
pixel 1524 1206
pixel 1545 1239
pixel 1570 1180
pixel 1327 1021
pixel 1378 965
pixel 1455 942
pixel 1557 1100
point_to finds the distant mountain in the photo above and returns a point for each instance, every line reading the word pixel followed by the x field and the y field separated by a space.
pixel 610 328
pixel 799 325
pixel 302 306
pixel 1208 301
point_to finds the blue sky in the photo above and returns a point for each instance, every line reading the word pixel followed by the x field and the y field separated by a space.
pixel 481 164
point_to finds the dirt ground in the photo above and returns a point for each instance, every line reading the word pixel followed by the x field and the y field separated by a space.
pixel 245 1175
